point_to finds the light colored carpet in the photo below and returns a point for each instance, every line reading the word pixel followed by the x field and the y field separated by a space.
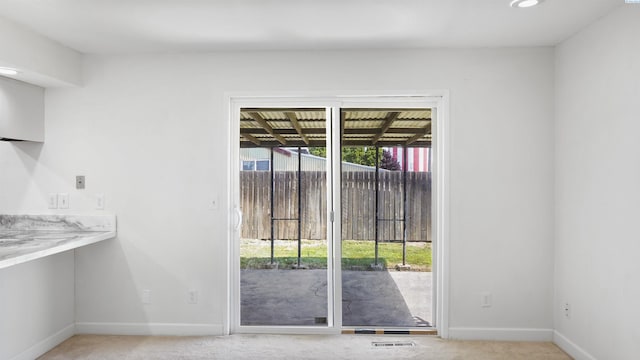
pixel 352 347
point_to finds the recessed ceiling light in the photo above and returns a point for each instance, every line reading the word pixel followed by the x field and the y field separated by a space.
pixel 8 71
pixel 525 3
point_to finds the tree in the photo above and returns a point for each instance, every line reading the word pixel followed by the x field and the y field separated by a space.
pixel 388 162
pixel 318 151
pixel 362 156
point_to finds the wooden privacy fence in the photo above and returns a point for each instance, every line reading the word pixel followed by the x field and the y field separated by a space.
pixel 358 205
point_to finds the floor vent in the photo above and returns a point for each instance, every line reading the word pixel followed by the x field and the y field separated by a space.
pixel 392 344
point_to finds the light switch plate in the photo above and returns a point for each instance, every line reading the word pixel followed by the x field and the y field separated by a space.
pixel 52 202
pixel 63 201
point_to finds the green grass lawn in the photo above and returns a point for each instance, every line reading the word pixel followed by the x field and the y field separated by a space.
pixel 356 254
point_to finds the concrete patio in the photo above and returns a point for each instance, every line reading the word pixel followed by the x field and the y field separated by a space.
pixel 369 298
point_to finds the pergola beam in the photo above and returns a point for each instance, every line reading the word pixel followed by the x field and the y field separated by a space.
pixel 262 122
pixel 253 139
pixel 296 125
pixel 388 121
pixel 414 138
pixel 322 143
pixel 318 131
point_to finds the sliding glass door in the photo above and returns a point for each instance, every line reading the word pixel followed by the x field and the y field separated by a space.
pixel 284 247
pixel 386 212
pixel 333 219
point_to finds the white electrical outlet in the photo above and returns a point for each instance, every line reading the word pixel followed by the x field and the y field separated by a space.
pixel 146 296
pixel 100 201
pixel 567 310
pixel 485 299
pixel 192 297
pixel 63 200
pixel 52 202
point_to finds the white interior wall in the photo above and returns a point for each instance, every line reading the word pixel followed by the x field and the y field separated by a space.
pixel 597 194
pixel 150 132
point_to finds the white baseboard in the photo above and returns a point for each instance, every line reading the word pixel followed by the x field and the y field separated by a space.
pixel 501 334
pixel 47 344
pixel 148 329
pixel 570 347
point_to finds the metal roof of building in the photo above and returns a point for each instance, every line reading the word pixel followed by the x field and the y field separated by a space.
pixel 287 160
pixel 272 127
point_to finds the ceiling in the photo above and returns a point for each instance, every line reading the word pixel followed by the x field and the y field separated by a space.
pixel 360 127
pixel 141 26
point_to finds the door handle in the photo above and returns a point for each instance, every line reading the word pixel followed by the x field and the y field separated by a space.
pixel 239 218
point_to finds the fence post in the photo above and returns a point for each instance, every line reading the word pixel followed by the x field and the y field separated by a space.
pixel 377 214
pixel 299 206
pixel 404 204
pixel 272 201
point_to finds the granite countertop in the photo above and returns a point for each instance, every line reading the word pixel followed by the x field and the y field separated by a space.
pixel 29 237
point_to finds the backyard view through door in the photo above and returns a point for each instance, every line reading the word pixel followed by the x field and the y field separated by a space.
pixel 385 238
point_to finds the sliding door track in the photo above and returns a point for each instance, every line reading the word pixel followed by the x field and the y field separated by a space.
pixel 382 331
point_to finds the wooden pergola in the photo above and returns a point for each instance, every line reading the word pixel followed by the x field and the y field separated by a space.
pixel 288 127
pixel 274 127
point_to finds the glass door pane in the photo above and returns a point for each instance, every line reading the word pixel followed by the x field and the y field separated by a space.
pixel 386 218
pixel 283 197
